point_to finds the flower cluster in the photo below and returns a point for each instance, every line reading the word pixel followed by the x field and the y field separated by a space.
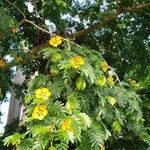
pixel 39 112
pixel 55 41
pixel 2 63
pixel 76 62
pixel 43 93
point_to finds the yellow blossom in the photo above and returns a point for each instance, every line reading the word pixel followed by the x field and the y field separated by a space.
pixel 2 63
pixel 55 41
pixel 39 112
pixel 110 80
pixel 76 62
pixel 43 93
pixel 66 125
pixel 104 66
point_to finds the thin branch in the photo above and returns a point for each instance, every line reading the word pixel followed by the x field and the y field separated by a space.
pixel 91 28
pixel 16 8
pixel 52 34
pixel 18 24
pixel 137 8
pixel 115 74
pixel 32 23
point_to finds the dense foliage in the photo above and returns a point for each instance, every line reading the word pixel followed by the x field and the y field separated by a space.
pixel 73 97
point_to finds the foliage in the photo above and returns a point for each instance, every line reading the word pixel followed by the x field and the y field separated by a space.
pixel 83 101
pixel 56 105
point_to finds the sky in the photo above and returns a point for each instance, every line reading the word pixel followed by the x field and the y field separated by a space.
pixel 4 109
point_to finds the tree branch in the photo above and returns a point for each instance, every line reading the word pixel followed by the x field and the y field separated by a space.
pixel 137 8
pixel 106 20
pixel 91 28
pixel 97 25
pixel 32 23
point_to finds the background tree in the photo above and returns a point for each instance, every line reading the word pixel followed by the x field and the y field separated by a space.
pixel 118 29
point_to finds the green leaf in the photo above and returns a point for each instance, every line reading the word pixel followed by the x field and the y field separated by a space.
pixel 26 144
pixel 97 134
pixel 13 139
pixel 88 71
pixel 57 87
pixel 47 52
pixel 85 119
pixel 39 130
pixel 62 146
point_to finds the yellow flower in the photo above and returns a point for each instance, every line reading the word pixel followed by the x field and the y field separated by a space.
pixel 76 62
pixel 55 41
pixel 66 125
pixel 110 80
pixel 104 66
pixel 39 112
pixel 43 93
pixel 2 63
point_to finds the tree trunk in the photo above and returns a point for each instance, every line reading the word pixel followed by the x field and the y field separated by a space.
pixel 14 106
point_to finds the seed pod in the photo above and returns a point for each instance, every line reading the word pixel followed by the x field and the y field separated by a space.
pixel 55 57
pixel 111 100
pixel 101 80
pixel 116 126
pixel 80 84
pixel 54 70
pixel 52 148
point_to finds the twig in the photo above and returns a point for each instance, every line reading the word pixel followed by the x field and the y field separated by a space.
pixel 52 34
pixel 107 19
pixel 32 23
pixel 90 28
pixel 16 8
pixel 114 73
pixel 68 45
pixel 17 25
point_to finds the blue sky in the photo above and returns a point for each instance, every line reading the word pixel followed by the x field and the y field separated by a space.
pixel 4 109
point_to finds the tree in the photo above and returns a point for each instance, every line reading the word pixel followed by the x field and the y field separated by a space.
pixel 77 98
